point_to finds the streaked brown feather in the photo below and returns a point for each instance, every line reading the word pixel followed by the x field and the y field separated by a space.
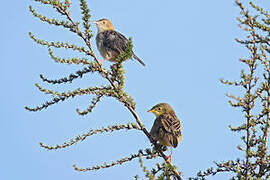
pixel 111 44
pixel 167 129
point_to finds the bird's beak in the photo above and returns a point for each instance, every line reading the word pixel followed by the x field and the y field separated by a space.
pixel 151 110
pixel 95 22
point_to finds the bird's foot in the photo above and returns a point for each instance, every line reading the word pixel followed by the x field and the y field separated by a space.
pixel 169 159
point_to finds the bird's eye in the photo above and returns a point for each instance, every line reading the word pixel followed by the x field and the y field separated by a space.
pixel 159 108
pixel 103 22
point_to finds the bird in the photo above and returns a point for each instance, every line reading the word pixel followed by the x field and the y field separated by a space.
pixel 111 43
pixel 166 128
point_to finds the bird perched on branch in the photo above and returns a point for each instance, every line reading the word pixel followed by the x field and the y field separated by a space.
pixel 166 128
pixel 111 43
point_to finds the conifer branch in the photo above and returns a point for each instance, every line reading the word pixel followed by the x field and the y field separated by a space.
pixel 100 91
pixel 254 103
pixel 46 104
pixel 91 107
pixel 91 132
pixel 59 44
pixel 146 153
pixel 70 61
pixel 70 78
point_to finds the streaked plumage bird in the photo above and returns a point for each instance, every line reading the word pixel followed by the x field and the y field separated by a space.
pixel 111 43
pixel 166 128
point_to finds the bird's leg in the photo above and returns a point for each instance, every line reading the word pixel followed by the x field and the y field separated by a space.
pixel 170 159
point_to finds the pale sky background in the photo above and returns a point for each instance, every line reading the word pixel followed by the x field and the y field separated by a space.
pixel 187 47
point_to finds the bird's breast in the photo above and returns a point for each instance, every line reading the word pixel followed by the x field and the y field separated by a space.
pixel 105 51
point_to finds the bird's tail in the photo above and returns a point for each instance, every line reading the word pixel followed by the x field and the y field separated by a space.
pixel 138 59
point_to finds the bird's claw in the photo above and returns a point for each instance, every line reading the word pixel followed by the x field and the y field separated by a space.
pixel 169 159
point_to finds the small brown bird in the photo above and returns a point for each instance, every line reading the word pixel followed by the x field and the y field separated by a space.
pixel 166 128
pixel 111 43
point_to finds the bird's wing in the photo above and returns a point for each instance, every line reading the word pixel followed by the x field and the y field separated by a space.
pixel 115 41
pixel 171 124
pixel 156 128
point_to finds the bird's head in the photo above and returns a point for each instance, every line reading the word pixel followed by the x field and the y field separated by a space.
pixel 161 108
pixel 104 25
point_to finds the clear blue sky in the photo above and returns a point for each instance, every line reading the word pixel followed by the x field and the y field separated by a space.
pixel 187 47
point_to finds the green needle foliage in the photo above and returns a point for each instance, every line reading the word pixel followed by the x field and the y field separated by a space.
pixel 254 102
pixel 114 76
